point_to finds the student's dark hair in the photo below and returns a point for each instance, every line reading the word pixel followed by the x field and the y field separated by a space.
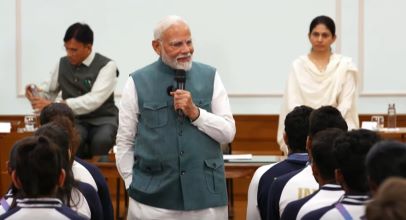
pixel 64 116
pixel 322 152
pixel 297 127
pixel 322 19
pixel 80 32
pixel 326 117
pixel 58 134
pixel 12 159
pixel 38 166
pixel 350 151
pixel 55 109
pixel 386 159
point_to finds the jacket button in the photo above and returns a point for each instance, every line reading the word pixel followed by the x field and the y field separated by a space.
pixel 181 152
pixel 182 172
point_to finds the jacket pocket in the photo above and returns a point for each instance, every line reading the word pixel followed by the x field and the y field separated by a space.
pixel 214 174
pixel 155 114
pixel 147 175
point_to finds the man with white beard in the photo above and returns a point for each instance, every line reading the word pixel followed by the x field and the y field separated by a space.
pixel 168 141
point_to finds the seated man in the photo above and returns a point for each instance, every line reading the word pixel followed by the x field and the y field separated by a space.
pixel 296 129
pixel 37 176
pixel 350 151
pixel 298 184
pixel 386 168
pixel 323 167
pixel 87 81
pixel 385 159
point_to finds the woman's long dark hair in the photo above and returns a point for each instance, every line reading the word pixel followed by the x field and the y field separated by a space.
pixel 57 133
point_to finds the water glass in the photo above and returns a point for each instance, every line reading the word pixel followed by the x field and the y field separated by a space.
pixel 29 122
pixel 379 119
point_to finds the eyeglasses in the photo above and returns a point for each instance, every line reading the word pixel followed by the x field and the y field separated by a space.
pixel 177 44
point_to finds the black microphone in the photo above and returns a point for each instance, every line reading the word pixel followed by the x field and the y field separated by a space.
pixel 180 78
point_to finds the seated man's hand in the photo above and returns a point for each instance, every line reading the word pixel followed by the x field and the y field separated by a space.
pixel 28 92
pixel 39 103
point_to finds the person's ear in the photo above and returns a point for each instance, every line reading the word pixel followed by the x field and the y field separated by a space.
pixel 61 178
pixel 339 177
pixel 16 181
pixel 309 147
pixel 316 172
pixel 88 46
pixel 309 144
pixel 334 38
pixel 156 44
pixel 285 138
pixel 70 153
pixel 373 186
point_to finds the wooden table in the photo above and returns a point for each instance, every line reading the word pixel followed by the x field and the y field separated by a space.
pixel 235 169
pixel 246 168
pixel 393 133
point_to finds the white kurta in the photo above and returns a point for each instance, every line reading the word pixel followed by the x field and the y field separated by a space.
pixel 338 85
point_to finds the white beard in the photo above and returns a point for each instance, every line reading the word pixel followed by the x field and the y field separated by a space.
pixel 175 64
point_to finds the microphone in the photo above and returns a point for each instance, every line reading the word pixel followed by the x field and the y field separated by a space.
pixel 180 78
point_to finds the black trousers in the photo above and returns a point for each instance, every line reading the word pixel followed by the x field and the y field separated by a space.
pixel 95 140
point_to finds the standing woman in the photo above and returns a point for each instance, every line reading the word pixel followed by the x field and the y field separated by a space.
pixel 322 77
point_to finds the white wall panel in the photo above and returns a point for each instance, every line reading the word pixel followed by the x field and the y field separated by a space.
pixel 252 43
pixel 385 57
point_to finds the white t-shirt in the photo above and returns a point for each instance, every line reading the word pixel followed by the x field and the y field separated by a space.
pixel 299 186
pixel 327 195
pixel 352 206
pixel 80 173
pixel 252 206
